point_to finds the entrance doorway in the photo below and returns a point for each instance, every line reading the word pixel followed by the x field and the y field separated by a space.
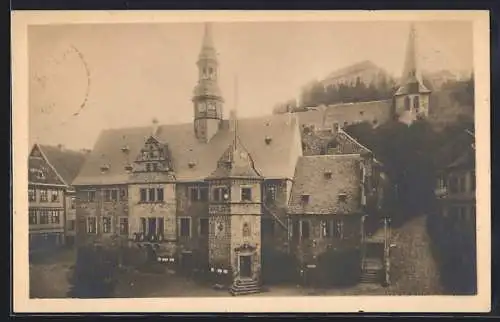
pixel 245 266
pixel 187 263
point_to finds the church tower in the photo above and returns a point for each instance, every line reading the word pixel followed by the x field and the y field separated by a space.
pixel 207 97
pixel 412 98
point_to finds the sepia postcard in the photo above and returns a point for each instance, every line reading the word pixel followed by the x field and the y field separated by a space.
pixel 237 161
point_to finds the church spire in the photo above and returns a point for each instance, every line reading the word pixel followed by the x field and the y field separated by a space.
pixel 411 79
pixel 410 68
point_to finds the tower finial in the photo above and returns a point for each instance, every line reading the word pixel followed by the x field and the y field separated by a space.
pixel 207 36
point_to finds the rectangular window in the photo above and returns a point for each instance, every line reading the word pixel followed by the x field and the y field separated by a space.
pixel 72 201
pixel 91 196
pixel 338 229
pixel 44 217
pixel 271 193
pixel 159 194
pixel 185 229
pixel 54 195
pixel 114 195
pixel 31 194
pixel 152 226
pixel 473 181
pixel 203 226
pixel 143 226
pixel 155 167
pixel 193 193
pixel 71 225
pixel 32 219
pixel 148 167
pixel 216 194
pixel 161 226
pixel 44 195
pixel 107 195
pixel 106 224
pixel 305 230
pixel 204 194
pixel 91 225
pixel 123 226
pixel 144 195
pixel 151 195
pixel 246 194
pixel 305 199
pixel 325 229
pixel 123 194
pixel 54 217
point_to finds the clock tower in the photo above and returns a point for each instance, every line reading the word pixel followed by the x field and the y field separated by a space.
pixel 207 97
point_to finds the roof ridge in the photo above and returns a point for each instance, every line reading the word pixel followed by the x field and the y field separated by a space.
pixel 353 139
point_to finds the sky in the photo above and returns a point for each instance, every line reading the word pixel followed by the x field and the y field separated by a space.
pixel 84 78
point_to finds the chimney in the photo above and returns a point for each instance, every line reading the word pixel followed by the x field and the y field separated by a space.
pixel 232 120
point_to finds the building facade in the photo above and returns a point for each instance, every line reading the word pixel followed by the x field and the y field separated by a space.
pixel 211 196
pixel 52 212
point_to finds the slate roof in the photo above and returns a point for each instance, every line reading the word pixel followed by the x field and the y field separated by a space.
pixel 193 160
pixel 67 163
pixel 324 192
pixel 235 162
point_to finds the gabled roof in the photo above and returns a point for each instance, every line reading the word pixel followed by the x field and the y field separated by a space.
pixel 412 88
pixel 460 151
pixel 193 160
pixel 235 162
pixel 324 192
pixel 66 163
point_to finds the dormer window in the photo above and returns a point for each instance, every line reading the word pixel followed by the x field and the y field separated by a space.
pixel 128 168
pixel 104 168
pixel 191 164
pixel 125 149
pixel 268 140
pixel 342 197
pixel 328 174
pixel 305 198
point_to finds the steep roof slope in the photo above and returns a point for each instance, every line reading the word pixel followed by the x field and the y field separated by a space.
pixel 324 191
pixel 67 163
pixel 269 139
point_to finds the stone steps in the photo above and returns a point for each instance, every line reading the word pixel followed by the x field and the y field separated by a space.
pixel 371 276
pixel 245 287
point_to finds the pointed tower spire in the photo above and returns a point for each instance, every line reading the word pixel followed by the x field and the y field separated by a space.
pixel 411 79
pixel 410 67
pixel 412 98
pixel 207 47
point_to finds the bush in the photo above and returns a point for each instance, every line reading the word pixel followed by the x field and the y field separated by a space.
pixel 340 267
pixel 94 271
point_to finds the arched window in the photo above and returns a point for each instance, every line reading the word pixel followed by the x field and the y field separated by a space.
pixel 407 103
pixel 416 103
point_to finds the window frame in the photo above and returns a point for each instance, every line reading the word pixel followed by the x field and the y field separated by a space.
pixel 246 194
pixel 31 194
pixel 123 222
pixel 105 224
pixel 189 221
pixel 91 229
pixel 200 225
pixel 44 195
pixel 33 216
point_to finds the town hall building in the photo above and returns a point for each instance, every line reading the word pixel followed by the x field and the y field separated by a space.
pixel 230 197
